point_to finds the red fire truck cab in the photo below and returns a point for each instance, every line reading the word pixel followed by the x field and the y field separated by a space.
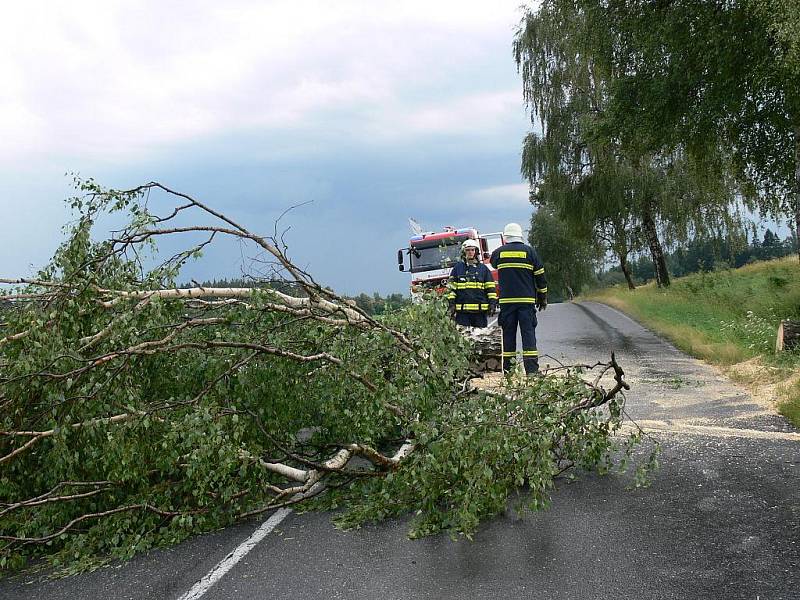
pixel 430 256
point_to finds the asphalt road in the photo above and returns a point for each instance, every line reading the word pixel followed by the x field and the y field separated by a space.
pixel 721 519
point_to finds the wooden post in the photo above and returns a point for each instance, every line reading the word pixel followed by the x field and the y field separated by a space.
pixel 788 336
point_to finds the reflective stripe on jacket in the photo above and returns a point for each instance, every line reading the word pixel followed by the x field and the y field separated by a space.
pixel 471 287
pixel 521 274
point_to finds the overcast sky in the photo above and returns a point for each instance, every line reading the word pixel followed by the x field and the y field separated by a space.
pixel 375 111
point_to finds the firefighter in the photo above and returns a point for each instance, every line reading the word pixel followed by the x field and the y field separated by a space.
pixel 522 286
pixel 471 292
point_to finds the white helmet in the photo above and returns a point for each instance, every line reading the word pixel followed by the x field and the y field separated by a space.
pixel 512 231
pixel 470 244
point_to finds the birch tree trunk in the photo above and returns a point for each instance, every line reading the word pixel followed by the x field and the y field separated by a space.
pixel 656 251
pixel 621 247
pixel 797 188
pixel 626 270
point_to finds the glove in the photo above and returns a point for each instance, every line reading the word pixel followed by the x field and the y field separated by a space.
pixel 492 307
pixel 541 303
pixel 451 309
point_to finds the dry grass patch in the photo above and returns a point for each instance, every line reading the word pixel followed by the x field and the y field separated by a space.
pixel 755 372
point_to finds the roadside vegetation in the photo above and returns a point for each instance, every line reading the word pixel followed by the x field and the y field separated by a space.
pixel 665 126
pixel 725 317
pixel 650 135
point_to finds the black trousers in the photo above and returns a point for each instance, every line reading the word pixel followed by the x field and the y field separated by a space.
pixel 524 317
pixel 472 319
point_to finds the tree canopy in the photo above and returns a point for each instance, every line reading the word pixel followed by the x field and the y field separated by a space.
pixel 655 123
pixel 595 180
pixel 719 80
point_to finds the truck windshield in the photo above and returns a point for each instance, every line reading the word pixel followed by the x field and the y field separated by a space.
pixel 439 254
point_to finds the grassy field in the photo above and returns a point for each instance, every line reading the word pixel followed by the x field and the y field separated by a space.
pixel 725 317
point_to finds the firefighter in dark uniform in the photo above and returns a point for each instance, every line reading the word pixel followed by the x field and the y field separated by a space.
pixel 522 286
pixel 471 291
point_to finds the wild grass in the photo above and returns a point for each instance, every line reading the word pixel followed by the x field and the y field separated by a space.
pixel 723 317
pixel 789 403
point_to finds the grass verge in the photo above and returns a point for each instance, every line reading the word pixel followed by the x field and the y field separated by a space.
pixel 789 404
pixel 724 317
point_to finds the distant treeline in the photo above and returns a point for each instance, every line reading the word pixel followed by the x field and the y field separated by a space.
pixel 377 304
pixel 372 305
pixel 706 255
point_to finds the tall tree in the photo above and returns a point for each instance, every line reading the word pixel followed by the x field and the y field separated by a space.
pixel 718 78
pixel 573 171
pixel 618 186
pixel 570 260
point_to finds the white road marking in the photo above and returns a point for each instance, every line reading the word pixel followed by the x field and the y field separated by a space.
pixel 227 563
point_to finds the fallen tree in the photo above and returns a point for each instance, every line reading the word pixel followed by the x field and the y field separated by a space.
pixel 487 348
pixel 134 413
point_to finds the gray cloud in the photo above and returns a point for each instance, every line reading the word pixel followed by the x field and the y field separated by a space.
pixel 375 111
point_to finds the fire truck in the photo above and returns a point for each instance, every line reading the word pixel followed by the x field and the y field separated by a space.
pixel 430 256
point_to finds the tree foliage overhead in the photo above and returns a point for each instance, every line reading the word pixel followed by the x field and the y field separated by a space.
pixel 595 183
pixel 712 76
pixel 657 119
pixel 719 80
pixel 134 413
